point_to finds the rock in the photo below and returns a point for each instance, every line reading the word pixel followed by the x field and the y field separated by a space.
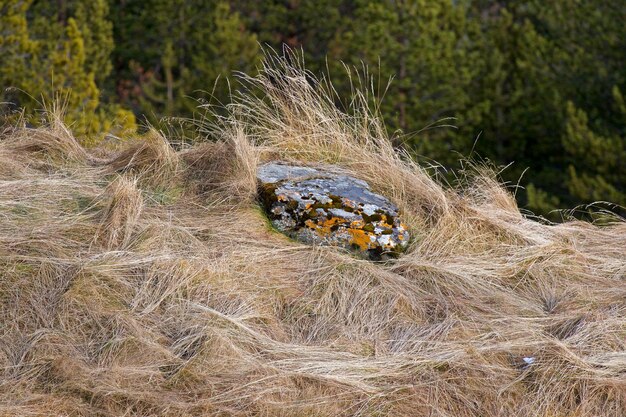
pixel 326 206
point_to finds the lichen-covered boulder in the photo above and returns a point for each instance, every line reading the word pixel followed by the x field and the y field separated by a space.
pixel 326 206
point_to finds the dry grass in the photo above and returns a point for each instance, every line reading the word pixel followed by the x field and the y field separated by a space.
pixel 149 283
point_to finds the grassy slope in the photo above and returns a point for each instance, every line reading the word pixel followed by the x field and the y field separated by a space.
pixel 147 282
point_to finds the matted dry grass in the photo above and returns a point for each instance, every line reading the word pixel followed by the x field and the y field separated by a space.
pixel 149 283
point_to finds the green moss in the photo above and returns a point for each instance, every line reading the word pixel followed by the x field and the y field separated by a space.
pixel 373 218
pixel 98 290
pixel 21 210
pixel 337 202
pixel 24 269
pixel 84 203
pixel 78 203
pixel 260 211
pixel 266 194
pixel 292 205
pixel 164 195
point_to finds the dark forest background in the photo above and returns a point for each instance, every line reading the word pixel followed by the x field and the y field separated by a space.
pixel 539 84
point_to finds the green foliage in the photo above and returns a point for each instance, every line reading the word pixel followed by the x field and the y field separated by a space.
pixel 516 103
pixel 19 51
pixel 540 200
pixel 588 55
pixel 97 34
pixel 538 85
pixel 170 54
pixel 51 60
pixel 421 44
pixel 596 169
pixel 504 70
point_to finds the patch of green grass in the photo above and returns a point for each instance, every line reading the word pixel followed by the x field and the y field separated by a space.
pixel 163 195
pixel 21 210
pixel 79 203
pixel 266 220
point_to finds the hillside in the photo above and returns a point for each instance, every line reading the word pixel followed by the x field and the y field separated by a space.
pixel 147 281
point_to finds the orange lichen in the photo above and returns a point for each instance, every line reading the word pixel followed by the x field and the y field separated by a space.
pixel 360 235
pixel 348 203
pixel 360 238
pixel 357 224
pixel 322 225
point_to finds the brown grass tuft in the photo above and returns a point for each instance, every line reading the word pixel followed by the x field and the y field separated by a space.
pixel 152 284
pixel 123 204
pixel 52 143
pixel 150 158
pixel 225 168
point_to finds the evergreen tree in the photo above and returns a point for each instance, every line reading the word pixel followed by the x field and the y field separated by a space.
pixel 50 63
pixel 516 103
pixel 541 82
pixel 218 47
pixel 308 26
pixel 596 171
pixel 422 44
pixel 97 33
pixel 19 52
pixel 586 56
pixel 170 53
pixel 591 40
